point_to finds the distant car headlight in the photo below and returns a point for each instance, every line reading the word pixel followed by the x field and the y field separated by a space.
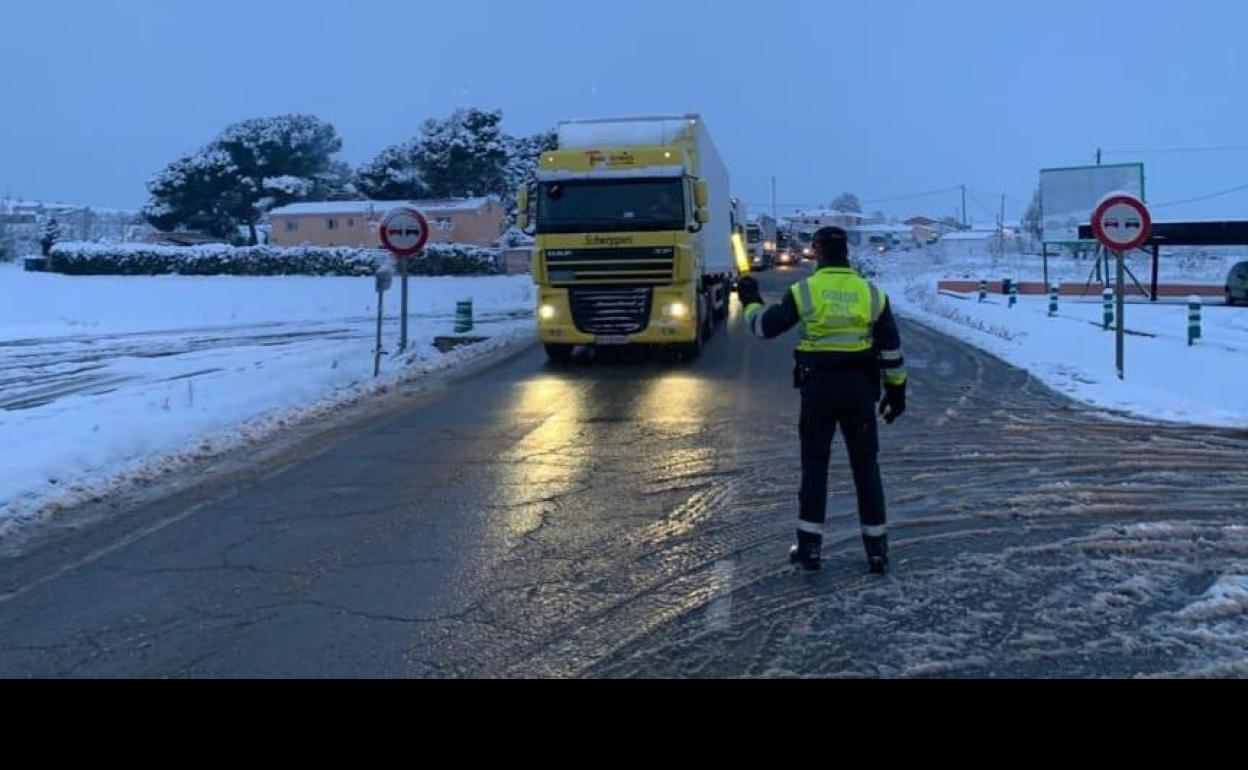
pixel 547 312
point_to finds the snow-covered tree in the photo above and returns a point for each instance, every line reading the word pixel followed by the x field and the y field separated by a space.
pixel 464 154
pixel 523 153
pixel 392 175
pixel 846 202
pixel 250 168
pixel 49 234
pixel 199 192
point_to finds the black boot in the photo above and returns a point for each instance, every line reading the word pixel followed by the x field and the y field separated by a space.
pixel 807 552
pixel 877 554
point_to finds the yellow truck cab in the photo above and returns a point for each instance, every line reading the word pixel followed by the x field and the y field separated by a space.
pixel 631 220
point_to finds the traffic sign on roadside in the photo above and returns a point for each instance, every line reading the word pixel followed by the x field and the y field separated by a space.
pixel 1121 222
pixel 404 232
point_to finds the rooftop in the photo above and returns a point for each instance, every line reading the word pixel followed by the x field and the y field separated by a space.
pixel 440 206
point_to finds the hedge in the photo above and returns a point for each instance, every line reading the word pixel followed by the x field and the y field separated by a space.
pixel 220 259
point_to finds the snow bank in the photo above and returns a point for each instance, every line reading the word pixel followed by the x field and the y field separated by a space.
pixel 1165 378
pixel 108 381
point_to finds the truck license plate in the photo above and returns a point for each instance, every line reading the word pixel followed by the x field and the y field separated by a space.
pixel 611 339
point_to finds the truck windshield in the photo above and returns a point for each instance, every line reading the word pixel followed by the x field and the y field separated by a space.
pixel 582 206
pixel 752 234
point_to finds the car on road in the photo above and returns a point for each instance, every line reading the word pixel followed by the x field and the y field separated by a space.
pixel 1237 284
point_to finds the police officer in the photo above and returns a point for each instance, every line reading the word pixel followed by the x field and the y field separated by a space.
pixel 849 342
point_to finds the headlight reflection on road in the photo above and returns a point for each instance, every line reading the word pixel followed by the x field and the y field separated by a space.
pixel 545 463
pixel 674 398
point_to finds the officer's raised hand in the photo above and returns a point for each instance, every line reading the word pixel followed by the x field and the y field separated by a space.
pixel 748 291
pixel 893 405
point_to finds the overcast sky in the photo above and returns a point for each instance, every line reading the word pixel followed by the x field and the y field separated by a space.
pixel 882 98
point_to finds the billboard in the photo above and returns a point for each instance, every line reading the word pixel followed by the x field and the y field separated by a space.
pixel 1068 196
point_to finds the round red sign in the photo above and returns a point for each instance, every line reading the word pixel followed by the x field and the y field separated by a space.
pixel 404 231
pixel 1121 222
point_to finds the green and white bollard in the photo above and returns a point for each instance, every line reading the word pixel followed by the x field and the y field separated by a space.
pixel 1053 289
pixel 463 316
pixel 1013 293
pixel 983 290
pixel 1107 306
pixel 1193 319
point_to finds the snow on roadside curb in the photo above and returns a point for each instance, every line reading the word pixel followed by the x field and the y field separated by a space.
pixel 33 505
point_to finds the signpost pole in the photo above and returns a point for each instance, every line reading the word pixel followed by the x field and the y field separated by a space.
pixel 403 306
pixel 377 350
pixel 1121 300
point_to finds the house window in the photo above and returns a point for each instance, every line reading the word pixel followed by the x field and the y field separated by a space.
pixel 331 224
pixel 292 225
pixel 350 223
pixel 443 223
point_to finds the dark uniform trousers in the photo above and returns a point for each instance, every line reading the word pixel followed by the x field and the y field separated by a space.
pixel 845 398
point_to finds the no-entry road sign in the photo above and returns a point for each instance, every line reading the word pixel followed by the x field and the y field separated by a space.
pixel 404 232
pixel 1121 222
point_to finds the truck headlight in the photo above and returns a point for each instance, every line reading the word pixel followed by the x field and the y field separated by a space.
pixel 547 312
pixel 676 310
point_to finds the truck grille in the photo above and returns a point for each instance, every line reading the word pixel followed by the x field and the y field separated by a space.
pixel 610 311
pixel 647 266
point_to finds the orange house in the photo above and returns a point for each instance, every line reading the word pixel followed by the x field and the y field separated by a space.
pixel 478 221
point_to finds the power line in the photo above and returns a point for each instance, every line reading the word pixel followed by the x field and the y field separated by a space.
pixel 913 195
pixel 991 214
pixel 888 199
pixel 1180 150
pixel 1199 198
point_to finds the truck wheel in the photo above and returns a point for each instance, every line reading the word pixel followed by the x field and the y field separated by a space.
pixel 558 353
pixel 688 351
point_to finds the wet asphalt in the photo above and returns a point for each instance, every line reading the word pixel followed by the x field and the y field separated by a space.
pixel 623 517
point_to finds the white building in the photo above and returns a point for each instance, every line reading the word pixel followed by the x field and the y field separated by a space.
pixel 972 243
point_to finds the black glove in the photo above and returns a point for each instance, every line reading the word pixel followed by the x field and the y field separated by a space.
pixel 893 405
pixel 748 291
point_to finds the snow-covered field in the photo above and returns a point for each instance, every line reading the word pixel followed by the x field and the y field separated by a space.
pixel 1165 378
pixel 110 379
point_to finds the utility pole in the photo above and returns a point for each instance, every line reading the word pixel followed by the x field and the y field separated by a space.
pixel 1001 226
pixel 1098 156
pixel 963 205
pixel 773 198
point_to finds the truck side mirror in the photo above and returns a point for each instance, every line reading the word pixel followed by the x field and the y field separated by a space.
pixel 701 194
pixel 522 207
pixel 701 216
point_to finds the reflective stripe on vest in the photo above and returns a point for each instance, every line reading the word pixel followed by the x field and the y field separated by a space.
pixel 830 324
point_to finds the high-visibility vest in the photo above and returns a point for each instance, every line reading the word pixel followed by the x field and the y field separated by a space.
pixel 838 309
